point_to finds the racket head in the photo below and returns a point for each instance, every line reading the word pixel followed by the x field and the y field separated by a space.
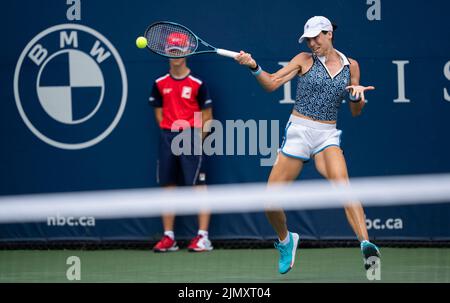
pixel 171 40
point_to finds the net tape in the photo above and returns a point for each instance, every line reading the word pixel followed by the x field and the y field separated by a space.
pixel 306 194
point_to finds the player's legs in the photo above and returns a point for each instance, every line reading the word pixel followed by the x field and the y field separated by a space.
pixel 286 169
pixel 295 149
pixel 320 164
pixel 331 163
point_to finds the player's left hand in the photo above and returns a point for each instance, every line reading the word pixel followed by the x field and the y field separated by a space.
pixel 357 91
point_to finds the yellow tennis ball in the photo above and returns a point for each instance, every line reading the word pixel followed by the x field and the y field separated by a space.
pixel 141 42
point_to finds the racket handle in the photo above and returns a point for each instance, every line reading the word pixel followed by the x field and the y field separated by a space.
pixel 226 53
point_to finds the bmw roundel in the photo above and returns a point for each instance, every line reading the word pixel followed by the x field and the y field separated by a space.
pixel 70 86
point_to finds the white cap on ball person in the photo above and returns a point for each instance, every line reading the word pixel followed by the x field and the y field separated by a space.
pixel 314 26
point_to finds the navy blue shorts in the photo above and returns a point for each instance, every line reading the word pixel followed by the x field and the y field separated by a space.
pixel 182 170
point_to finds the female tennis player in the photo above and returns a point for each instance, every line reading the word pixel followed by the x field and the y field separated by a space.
pixel 325 77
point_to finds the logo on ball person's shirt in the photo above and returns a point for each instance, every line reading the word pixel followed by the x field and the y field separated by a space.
pixel 167 91
pixel 186 92
pixel 70 86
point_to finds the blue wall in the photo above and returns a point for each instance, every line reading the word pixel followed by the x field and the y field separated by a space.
pixel 388 139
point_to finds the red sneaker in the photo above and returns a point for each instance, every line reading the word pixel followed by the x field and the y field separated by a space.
pixel 166 244
pixel 199 244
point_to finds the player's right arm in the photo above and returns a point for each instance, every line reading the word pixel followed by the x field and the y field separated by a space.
pixel 271 82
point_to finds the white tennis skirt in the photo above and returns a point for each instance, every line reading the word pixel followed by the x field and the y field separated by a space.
pixel 304 138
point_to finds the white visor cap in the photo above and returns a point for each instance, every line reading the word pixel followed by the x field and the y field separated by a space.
pixel 315 26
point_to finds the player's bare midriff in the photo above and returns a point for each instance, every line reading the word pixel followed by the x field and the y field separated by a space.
pixel 296 113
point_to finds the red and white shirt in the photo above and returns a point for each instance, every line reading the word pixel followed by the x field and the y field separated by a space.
pixel 180 99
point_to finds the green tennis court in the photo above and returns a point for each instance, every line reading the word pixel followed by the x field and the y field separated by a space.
pixel 224 265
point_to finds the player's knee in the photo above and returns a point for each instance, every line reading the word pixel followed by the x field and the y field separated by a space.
pixel 322 171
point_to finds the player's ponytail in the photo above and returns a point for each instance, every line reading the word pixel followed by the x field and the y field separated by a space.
pixel 334 29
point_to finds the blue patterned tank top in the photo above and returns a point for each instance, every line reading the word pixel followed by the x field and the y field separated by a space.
pixel 319 96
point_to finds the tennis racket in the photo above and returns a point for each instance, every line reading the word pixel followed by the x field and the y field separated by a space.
pixel 174 40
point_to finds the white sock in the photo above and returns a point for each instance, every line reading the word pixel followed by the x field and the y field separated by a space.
pixel 203 233
pixel 170 234
pixel 285 241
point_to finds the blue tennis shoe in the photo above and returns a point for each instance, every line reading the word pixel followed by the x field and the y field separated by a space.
pixel 368 250
pixel 287 253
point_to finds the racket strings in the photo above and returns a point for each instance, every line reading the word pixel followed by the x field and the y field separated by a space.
pixel 171 40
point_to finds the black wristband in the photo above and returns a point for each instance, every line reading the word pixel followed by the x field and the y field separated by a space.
pixel 254 69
